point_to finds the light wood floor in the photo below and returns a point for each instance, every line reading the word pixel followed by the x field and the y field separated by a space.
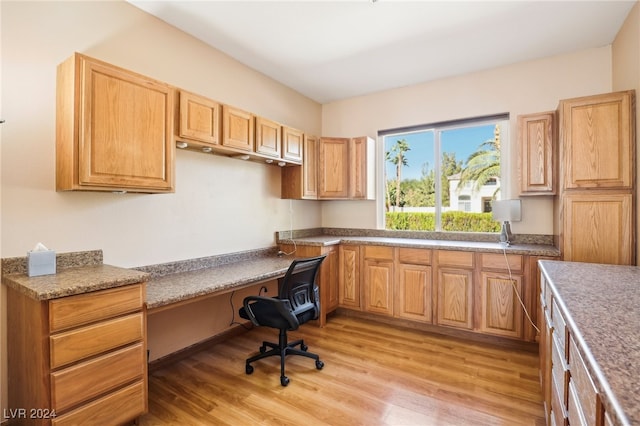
pixel 374 374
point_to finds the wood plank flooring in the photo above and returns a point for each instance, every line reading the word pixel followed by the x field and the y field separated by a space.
pixel 374 374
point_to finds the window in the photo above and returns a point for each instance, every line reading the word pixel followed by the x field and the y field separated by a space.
pixel 444 176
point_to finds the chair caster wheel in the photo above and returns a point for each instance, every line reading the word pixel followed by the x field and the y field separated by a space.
pixel 304 347
pixel 319 364
pixel 284 380
pixel 248 369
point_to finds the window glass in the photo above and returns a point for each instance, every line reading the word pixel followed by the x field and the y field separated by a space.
pixel 443 177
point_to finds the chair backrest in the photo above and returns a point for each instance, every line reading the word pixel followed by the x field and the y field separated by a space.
pixel 299 284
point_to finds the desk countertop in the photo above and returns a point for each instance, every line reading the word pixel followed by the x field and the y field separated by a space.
pixel 182 286
pixel 601 305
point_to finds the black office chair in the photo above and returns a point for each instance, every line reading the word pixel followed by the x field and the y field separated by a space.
pixel 298 301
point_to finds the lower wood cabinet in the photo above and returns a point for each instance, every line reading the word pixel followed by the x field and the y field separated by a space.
pixel 455 289
pixel 570 395
pixel 79 359
pixel 483 293
pixel 349 280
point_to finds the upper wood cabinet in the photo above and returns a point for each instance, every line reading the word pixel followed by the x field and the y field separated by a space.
pixel 199 118
pixel 537 156
pixel 608 218
pixel 268 137
pixel 345 168
pixel 292 144
pixel 238 129
pixel 114 129
pixel 333 168
pixel 302 182
pixel 598 142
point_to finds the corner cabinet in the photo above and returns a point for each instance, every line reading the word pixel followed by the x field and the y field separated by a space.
pixel 598 162
pixel 537 155
pixel 79 359
pixel 346 168
pixel 114 129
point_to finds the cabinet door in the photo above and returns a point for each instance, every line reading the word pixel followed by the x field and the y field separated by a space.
pixel 455 298
pixel 414 290
pixel 598 143
pixel 333 168
pixel 378 286
pixel 125 130
pixel 501 312
pixel 330 279
pixel 237 128
pixel 536 159
pixel 268 137
pixel 360 167
pixel 349 291
pixel 609 221
pixel 199 118
pixel 301 182
pixel 292 144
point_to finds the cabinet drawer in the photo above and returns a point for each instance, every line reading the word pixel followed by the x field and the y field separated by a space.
pixel 512 262
pixel 414 256
pixel 584 388
pixel 560 327
pixel 378 252
pixel 559 367
pixel 455 258
pixel 93 378
pixel 116 408
pixel 77 344
pixel 83 309
pixel 558 410
pixel 574 412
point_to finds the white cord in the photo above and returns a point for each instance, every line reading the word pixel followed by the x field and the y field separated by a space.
pixel 513 283
pixel 290 231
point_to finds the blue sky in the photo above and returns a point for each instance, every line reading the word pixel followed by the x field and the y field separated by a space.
pixel 462 141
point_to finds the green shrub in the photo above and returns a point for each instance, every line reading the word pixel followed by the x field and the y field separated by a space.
pixel 451 221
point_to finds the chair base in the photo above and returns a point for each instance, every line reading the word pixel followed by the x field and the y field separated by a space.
pixel 282 349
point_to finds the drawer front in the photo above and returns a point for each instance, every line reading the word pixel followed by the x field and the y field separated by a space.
pixel 77 344
pixel 414 256
pixel 574 412
pixel 560 327
pixel 558 411
pixel 378 252
pixel 455 258
pixel 93 378
pixel 86 308
pixel 512 262
pixel 118 407
pixel 559 367
pixel 586 394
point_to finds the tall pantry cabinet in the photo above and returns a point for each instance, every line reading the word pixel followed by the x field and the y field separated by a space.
pixel 596 203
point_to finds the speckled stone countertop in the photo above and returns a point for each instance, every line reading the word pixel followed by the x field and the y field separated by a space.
pixel 180 286
pixel 484 246
pixel 74 280
pixel 601 304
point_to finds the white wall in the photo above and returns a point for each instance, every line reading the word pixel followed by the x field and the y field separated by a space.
pixel 220 205
pixel 522 88
pixel 626 75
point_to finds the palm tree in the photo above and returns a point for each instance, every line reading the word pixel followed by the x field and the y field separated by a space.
pixel 396 156
pixel 484 164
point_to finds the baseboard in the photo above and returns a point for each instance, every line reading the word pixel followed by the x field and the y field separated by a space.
pixel 174 357
pixel 504 342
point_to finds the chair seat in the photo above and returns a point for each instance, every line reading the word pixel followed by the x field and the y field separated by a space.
pixel 270 317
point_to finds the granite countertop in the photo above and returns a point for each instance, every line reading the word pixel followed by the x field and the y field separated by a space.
pixel 492 247
pixel 181 286
pixel 601 304
pixel 71 281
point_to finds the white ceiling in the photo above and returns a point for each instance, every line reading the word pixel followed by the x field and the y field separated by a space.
pixel 331 50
